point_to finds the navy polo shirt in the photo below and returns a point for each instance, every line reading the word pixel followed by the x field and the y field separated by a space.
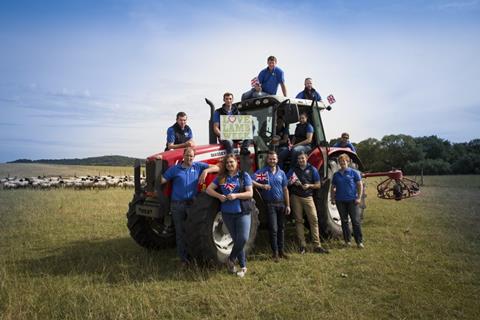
pixel 171 134
pixel 316 95
pixel 232 185
pixel 346 184
pixel 277 182
pixel 346 145
pixel 309 175
pixel 184 180
pixel 216 116
pixel 271 79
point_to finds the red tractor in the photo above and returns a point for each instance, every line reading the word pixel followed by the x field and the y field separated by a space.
pixel 149 219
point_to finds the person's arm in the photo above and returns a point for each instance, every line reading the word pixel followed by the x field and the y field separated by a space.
pixel 189 143
pixel 261 185
pixel 286 196
pixel 247 194
pixel 216 129
pixel 359 192
pixel 284 89
pixel 212 193
pixel 316 181
pixel 307 141
pixel 211 169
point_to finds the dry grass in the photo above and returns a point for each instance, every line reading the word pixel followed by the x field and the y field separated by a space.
pixel 67 255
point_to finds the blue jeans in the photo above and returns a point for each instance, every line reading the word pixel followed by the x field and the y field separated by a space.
pixel 179 215
pixel 238 224
pixel 349 209
pixel 276 226
pixel 228 145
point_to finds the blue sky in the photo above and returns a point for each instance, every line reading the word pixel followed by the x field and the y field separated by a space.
pixel 88 78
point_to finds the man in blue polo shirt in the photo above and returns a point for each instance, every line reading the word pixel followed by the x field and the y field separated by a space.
pixel 185 177
pixel 272 182
pixel 309 92
pixel 179 135
pixel 271 77
pixel 228 109
pixel 344 142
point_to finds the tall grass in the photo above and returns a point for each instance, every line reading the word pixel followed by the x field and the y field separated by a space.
pixel 67 255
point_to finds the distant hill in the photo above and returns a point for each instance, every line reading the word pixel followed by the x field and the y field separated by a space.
pixel 121 161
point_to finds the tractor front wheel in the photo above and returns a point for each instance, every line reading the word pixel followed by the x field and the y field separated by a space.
pixel 207 237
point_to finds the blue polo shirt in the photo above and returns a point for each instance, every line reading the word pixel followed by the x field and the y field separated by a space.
pixel 271 79
pixel 347 145
pixel 171 134
pixel 232 185
pixel 277 182
pixel 216 116
pixel 316 95
pixel 346 184
pixel 184 180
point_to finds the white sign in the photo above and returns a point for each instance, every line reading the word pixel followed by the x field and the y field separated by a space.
pixel 236 127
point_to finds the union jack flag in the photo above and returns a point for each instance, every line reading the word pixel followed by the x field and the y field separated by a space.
pixel 254 82
pixel 261 177
pixel 293 179
pixel 230 186
pixel 331 99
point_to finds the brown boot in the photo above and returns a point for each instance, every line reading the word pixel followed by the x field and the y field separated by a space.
pixel 275 257
pixel 283 255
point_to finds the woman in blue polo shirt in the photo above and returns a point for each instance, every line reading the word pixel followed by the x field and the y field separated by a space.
pixel 237 222
pixel 346 192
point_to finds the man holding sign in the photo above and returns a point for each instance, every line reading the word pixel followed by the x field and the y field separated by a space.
pixel 231 111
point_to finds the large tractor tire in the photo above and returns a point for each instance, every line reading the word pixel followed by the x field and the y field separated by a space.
pixel 207 237
pixel 148 232
pixel 329 222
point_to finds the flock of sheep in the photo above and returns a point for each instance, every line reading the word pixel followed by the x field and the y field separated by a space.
pixel 79 183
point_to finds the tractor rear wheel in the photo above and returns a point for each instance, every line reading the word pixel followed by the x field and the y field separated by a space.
pixel 329 221
pixel 148 232
pixel 207 237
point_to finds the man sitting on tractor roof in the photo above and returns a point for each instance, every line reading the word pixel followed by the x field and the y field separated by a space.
pixel 271 77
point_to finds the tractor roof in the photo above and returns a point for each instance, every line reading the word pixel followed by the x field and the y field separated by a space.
pixel 274 100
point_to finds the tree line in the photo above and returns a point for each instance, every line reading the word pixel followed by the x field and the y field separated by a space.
pixel 432 155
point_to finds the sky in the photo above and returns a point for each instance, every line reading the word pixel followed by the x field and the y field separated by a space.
pixel 85 78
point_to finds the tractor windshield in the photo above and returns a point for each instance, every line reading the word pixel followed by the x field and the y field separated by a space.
pixel 262 126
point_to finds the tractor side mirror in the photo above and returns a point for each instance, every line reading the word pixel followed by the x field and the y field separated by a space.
pixel 290 112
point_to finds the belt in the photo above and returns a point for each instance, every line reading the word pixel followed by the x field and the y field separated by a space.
pixel 275 202
pixel 187 202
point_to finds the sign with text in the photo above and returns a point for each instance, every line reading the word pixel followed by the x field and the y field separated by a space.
pixel 236 127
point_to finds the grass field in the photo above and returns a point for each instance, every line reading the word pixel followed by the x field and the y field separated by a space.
pixel 67 255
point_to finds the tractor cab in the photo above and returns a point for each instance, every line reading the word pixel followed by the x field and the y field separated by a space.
pixel 266 110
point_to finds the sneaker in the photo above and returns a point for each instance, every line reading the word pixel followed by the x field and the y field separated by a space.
pixel 360 245
pixel 302 250
pixel 231 266
pixel 242 272
pixel 283 255
pixel 321 250
pixel 276 257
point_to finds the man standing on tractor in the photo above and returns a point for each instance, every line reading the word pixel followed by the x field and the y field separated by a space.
pixel 309 92
pixel 185 177
pixel 271 77
pixel 344 142
pixel 228 109
pixel 304 178
pixel 272 182
pixel 179 135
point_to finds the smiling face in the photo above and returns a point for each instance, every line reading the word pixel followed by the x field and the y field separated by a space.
pixel 343 161
pixel 302 160
pixel 272 160
pixel 182 121
pixel 308 84
pixel 228 100
pixel 188 157
pixel 231 165
pixel 271 63
pixel 303 118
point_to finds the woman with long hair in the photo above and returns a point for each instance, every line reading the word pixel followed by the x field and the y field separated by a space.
pixel 234 186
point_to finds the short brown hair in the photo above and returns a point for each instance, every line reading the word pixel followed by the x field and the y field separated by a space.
pixel 188 149
pixel 272 58
pixel 226 94
pixel 181 114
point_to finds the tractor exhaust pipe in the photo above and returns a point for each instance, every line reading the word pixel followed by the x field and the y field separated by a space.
pixel 212 138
